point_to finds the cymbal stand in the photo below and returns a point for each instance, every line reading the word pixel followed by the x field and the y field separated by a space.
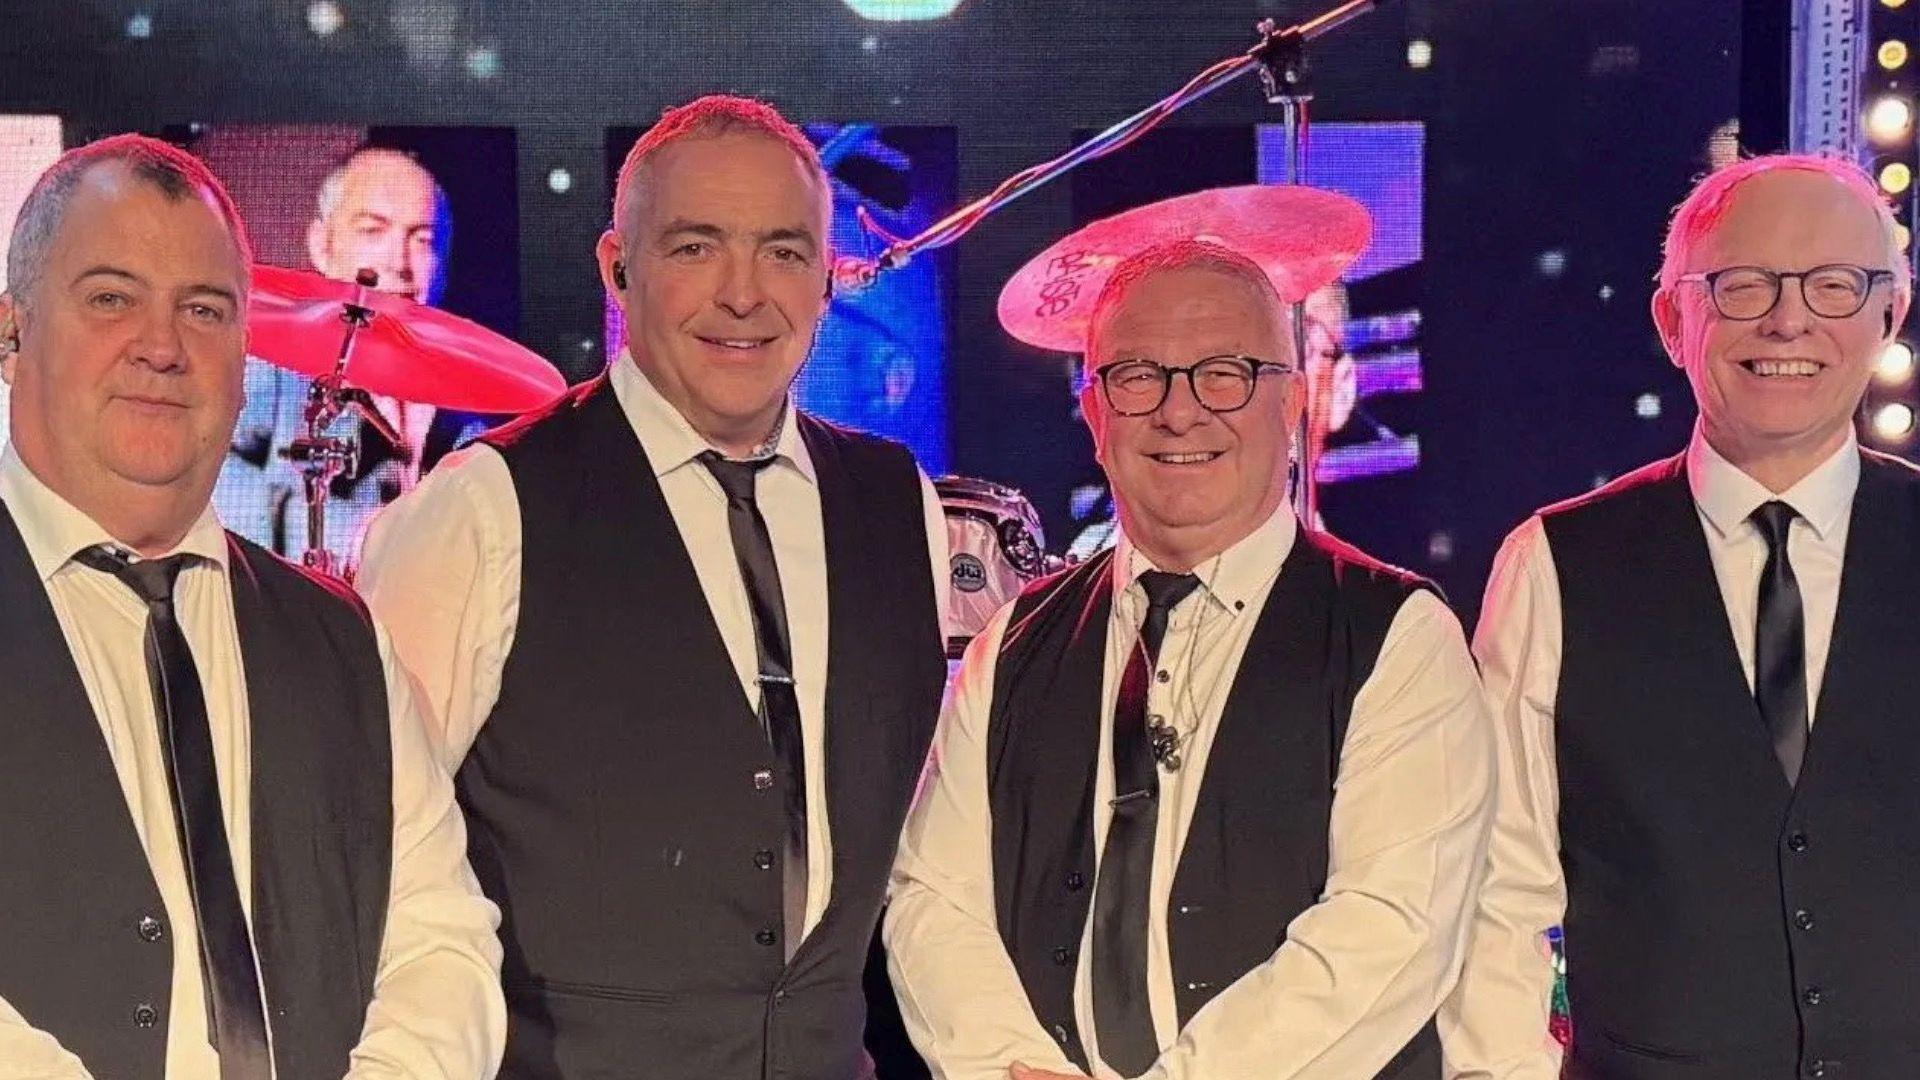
pixel 322 457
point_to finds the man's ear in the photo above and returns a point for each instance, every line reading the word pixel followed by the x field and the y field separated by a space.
pixel 612 259
pixel 1666 319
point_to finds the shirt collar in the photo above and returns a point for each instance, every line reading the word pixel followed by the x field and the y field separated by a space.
pixel 1233 578
pixel 54 530
pixel 1727 496
pixel 670 442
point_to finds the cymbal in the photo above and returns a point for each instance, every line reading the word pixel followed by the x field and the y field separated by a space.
pixel 1302 237
pixel 409 351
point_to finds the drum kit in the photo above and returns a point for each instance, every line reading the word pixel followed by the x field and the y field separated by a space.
pixel 355 342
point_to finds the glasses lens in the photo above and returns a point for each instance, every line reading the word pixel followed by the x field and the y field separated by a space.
pixel 1223 383
pixel 1744 293
pixel 1134 386
pixel 1836 291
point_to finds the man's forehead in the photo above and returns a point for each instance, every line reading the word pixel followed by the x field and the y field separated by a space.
pixel 387 178
pixel 114 207
pixel 1187 306
pixel 731 176
pixel 1796 209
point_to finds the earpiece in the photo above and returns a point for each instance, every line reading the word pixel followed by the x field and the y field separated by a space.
pixel 619 274
pixel 1886 319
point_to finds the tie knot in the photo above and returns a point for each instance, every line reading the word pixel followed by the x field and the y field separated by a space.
pixel 1164 590
pixel 736 477
pixel 150 579
pixel 1774 519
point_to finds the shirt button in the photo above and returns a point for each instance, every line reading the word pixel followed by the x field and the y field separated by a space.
pixel 1062 955
pixel 765 937
pixel 145 1016
pixel 763 859
pixel 1060 1034
pixel 1797 843
pixel 150 928
pixel 1161 676
pixel 762 779
pixel 1803 919
pixel 1817 1070
pixel 1076 881
pixel 1812 996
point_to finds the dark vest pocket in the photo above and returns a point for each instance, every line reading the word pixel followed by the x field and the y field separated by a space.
pixel 588 991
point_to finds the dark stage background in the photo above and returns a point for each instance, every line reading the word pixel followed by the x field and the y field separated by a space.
pixel 1555 135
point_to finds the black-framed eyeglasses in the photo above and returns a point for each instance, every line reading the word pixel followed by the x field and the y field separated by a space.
pixel 1832 291
pixel 1220 384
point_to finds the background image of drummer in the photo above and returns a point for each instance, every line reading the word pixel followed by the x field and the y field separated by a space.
pixel 879 360
pixel 1363 345
pixel 28 144
pixel 334 199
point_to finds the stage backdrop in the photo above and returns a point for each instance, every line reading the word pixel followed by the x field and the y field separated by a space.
pixel 1552 136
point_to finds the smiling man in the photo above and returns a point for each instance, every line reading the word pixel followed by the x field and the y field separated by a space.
pixel 230 851
pixel 1212 803
pixel 626 611
pixel 1700 677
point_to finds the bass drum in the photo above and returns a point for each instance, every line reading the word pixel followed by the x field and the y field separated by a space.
pixel 995 547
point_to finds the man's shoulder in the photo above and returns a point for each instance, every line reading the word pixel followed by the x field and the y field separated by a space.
pixel 545 421
pixel 820 432
pixel 1624 491
pixel 263 569
pixel 1354 566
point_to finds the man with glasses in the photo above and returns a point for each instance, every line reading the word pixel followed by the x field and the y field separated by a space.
pixel 1700 677
pixel 1212 803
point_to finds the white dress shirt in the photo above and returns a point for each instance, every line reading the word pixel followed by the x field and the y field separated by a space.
pixel 442 570
pixel 1360 972
pixel 437 1009
pixel 1495 1025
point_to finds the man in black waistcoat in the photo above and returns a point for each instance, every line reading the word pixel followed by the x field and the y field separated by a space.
pixel 228 848
pixel 1210 804
pixel 1700 672
pixel 685 645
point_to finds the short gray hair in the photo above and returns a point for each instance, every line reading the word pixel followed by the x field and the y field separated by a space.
pixel 333 188
pixel 1170 255
pixel 710 117
pixel 174 172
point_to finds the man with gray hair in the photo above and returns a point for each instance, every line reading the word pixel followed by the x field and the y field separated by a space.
pixel 1212 804
pixel 684 642
pixel 229 849
pixel 1699 672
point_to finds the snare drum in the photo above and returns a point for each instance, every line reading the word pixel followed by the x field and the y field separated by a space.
pixel 995 547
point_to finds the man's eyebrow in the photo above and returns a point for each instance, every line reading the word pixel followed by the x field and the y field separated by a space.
pixel 792 232
pixel 105 270
pixel 698 228
pixel 209 289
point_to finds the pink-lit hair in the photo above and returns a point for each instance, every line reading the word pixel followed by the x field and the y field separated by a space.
pixel 1706 206
pixel 1179 255
pixel 707 117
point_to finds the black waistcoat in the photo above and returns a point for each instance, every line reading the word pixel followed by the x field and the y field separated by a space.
pixel 1721 925
pixel 1256 853
pixel 89 957
pixel 614 797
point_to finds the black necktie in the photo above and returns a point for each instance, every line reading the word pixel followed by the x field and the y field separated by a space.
pixel 1122 1013
pixel 237 1024
pixel 779 707
pixel 1780 644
